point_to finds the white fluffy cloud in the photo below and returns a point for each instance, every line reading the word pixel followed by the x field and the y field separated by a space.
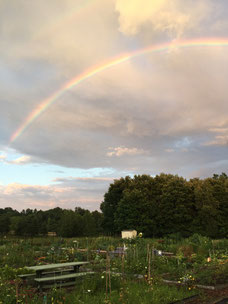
pixel 65 193
pixel 120 151
pixel 21 160
pixel 2 157
pixel 169 16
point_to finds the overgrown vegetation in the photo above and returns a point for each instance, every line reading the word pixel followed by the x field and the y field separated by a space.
pixel 135 277
pixel 175 215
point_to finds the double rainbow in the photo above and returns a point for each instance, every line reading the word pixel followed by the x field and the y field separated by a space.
pixel 92 71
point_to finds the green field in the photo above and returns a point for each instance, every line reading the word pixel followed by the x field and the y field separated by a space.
pixel 136 277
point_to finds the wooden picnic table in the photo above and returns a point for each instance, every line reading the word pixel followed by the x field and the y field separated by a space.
pixel 64 274
pixel 40 269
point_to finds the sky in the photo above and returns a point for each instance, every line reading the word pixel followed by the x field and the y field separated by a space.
pixel 94 90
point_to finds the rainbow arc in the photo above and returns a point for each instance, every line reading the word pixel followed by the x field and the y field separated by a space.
pixel 92 71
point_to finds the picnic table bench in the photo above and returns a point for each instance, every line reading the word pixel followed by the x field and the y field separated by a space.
pixel 62 274
pixel 61 280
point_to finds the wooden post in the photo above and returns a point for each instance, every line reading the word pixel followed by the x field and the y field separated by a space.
pixel 147 252
pixel 87 249
pixel 106 277
pixel 122 266
pixel 149 259
pixel 153 258
pixel 17 291
pixel 109 275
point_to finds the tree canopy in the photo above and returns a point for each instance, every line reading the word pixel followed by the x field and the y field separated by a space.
pixel 167 204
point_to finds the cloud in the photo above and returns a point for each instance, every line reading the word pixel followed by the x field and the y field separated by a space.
pixel 169 150
pixel 219 130
pixel 120 151
pixel 83 179
pixel 129 107
pixel 23 160
pixel 172 17
pixel 221 137
pixel 65 193
pixel 2 157
pixel 220 140
pixel 137 117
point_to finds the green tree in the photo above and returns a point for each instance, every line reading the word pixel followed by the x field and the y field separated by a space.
pixel 110 203
pixel 206 221
pixel 174 209
pixel 4 223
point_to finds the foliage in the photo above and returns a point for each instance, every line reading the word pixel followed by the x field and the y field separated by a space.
pixel 136 277
pixel 66 223
pixel 167 205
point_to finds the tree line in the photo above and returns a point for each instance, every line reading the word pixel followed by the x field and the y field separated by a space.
pixel 167 205
pixel 159 206
pixel 66 223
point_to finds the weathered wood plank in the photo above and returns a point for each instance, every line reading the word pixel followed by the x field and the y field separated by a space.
pixel 58 265
pixel 62 277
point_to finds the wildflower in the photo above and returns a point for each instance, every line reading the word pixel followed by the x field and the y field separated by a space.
pixel 89 290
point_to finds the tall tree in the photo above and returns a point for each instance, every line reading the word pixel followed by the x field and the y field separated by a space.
pixel 110 203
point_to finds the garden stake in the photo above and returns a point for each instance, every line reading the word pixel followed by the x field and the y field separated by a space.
pixel 109 275
pixel 153 262
pixel 106 277
pixel 87 249
pixel 17 291
pixel 149 258
pixel 153 257
pixel 147 252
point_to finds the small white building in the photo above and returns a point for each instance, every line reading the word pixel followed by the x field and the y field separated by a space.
pixel 51 233
pixel 129 234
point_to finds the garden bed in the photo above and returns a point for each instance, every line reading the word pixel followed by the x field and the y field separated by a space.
pixel 190 261
pixel 215 287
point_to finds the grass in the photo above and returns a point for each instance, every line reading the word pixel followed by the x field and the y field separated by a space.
pixel 189 265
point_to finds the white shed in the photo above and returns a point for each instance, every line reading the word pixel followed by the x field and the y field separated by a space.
pixel 129 234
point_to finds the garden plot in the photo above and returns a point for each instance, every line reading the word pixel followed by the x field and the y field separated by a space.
pixel 195 261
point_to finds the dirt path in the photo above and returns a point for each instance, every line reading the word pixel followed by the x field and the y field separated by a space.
pixel 210 297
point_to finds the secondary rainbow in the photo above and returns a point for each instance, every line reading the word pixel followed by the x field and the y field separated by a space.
pixel 64 19
pixel 92 71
